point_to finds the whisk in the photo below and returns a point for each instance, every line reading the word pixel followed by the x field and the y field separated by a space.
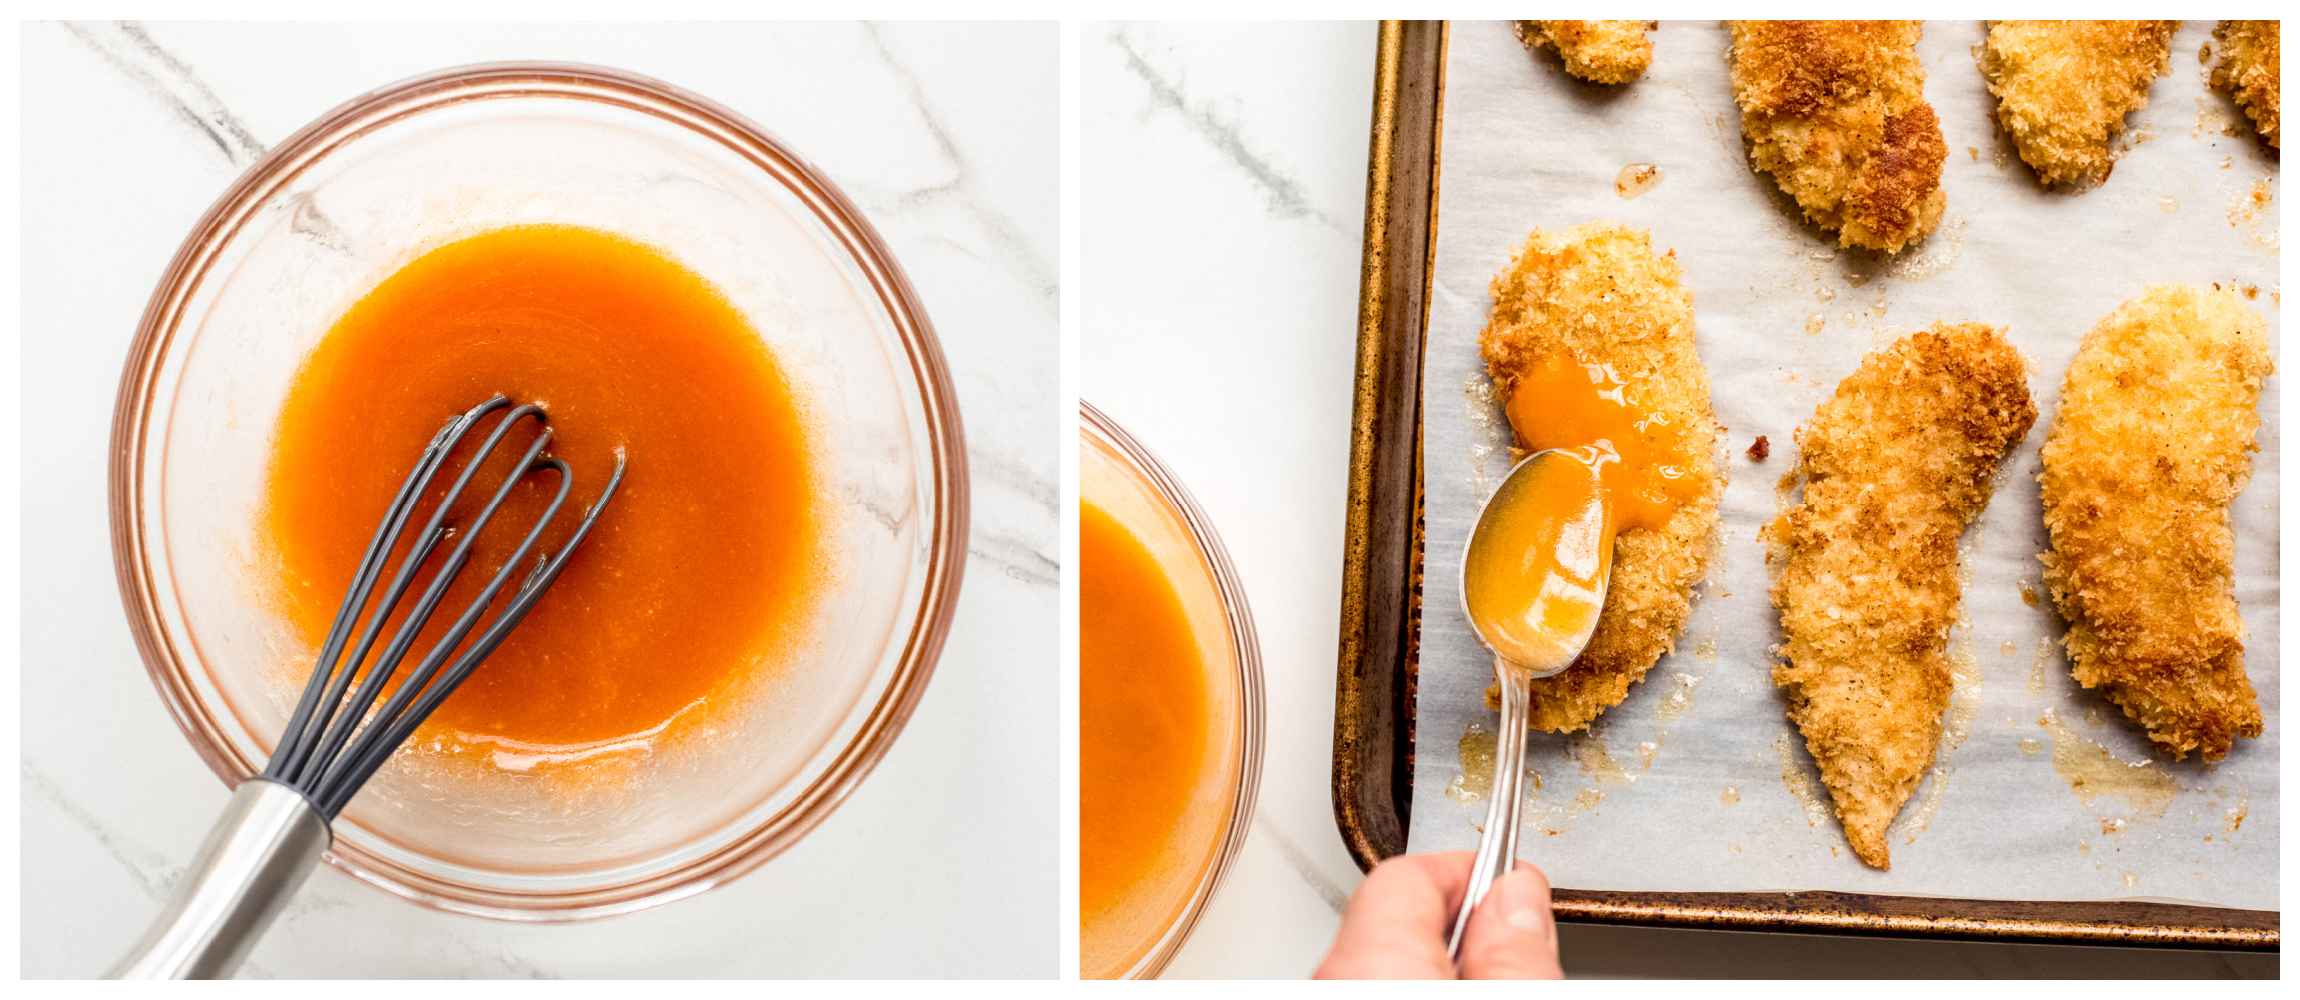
pixel 277 822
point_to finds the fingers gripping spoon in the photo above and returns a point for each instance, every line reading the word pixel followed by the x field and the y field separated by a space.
pixel 1533 583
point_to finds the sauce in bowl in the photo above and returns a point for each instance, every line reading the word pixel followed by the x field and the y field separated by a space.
pixel 1168 715
pixel 696 582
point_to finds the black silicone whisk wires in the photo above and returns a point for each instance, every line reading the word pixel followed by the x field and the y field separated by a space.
pixel 320 754
pixel 338 736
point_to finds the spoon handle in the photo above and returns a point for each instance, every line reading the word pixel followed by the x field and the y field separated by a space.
pixel 1497 844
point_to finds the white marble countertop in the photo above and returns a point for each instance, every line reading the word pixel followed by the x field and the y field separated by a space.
pixel 1223 174
pixel 943 863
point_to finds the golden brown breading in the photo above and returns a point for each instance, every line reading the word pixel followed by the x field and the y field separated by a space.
pixel 1895 465
pixel 1836 112
pixel 2251 64
pixel 2152 442
pixel 1599 292
pixel 1597 51
pixel 2064 87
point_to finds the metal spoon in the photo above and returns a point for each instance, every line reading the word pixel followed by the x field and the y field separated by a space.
pixel 1496 557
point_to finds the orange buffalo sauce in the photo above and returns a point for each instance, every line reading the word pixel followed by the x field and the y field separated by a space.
pixel 1564 402
pixel 1534 573
pixel 698 575
pixel 1158 708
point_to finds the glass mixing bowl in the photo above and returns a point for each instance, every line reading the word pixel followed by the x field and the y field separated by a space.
pixel 1122 477
pixel 377 182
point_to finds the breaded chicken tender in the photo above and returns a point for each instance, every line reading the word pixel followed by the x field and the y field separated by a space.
pixel 2152 442
pixel 2064 87
pixel 1895 465
pixel 1836 112
pixel 2251 66
pixel 1600 293
pixel 1596 51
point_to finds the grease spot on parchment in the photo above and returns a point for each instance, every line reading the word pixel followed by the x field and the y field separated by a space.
pixel 1554 818
pixel 1475 751
pixel 1596 759
pixel 1489 422
pixel 2215 116
pixel 1636 179
pixel 1912 822
pixel 1801 784
pixel 2244 211
pixel 1964 695
pixel 2093 773
pixel 1680 698
pixel 1937 254
pixel 2234 819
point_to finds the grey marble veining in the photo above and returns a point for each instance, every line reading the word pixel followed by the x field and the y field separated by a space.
pixel 1167 87
pixel 1006 240
pixel 170 83
pixel 152 872
pixel 954 211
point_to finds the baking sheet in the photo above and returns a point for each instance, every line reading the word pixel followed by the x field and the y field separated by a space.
pixel 1697 782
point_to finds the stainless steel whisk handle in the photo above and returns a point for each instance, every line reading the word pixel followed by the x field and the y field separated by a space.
pixel 260 850
pixel 1497 845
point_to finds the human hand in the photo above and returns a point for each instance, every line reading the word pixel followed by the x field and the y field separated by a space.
pixel 1398 924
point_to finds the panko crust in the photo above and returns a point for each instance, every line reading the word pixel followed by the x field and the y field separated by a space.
pixel 1836 112
pixel 2064 87
pixel 1612 52
pixel 1599 292
pixel 2251 66
pixel 2152 442
pixel 1895 465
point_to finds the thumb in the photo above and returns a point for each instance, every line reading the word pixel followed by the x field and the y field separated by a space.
pixel 1512 935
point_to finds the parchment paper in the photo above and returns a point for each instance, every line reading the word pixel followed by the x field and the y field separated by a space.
pixel 1698 781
